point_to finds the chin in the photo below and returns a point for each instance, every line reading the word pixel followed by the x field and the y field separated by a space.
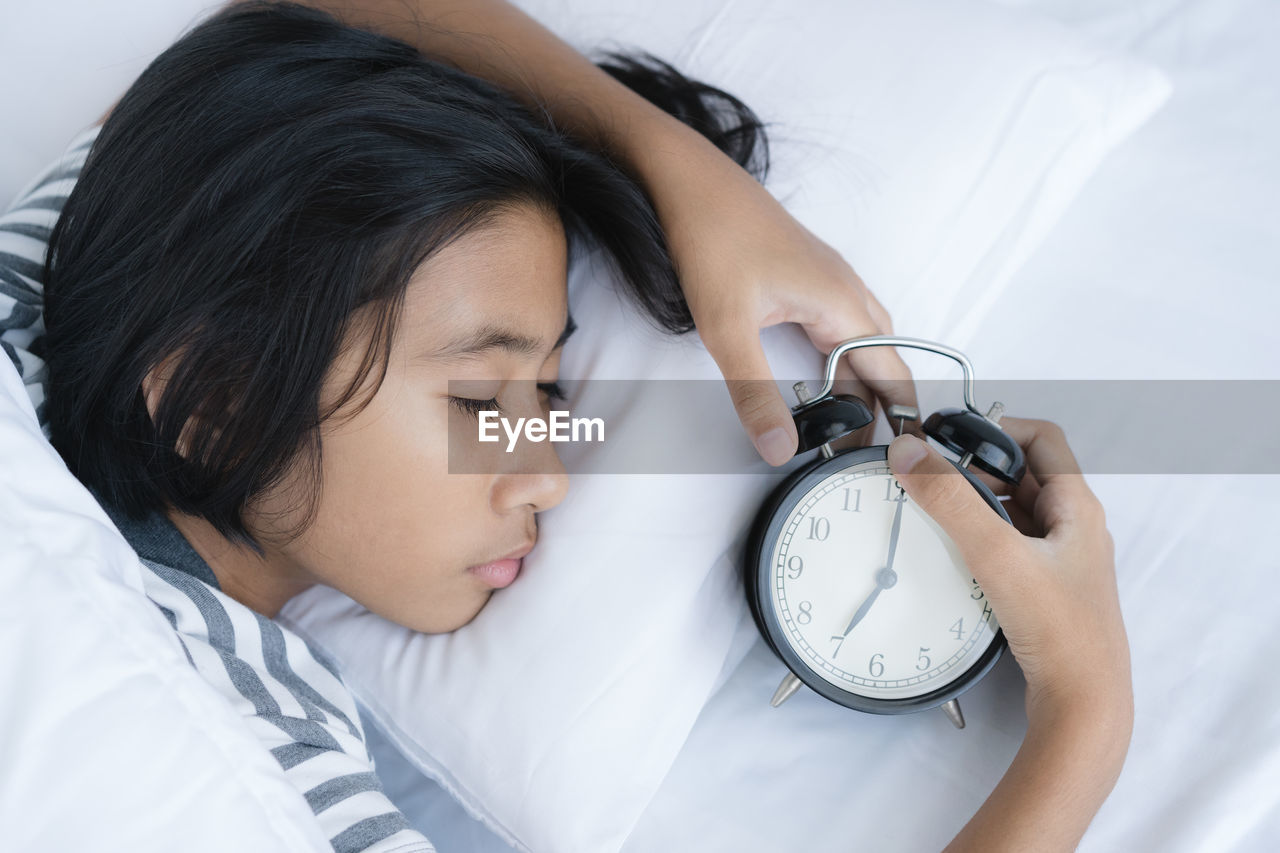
pixel 446 622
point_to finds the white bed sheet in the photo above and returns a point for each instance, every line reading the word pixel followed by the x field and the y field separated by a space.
pixel 1165 267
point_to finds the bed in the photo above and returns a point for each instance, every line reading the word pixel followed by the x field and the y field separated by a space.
pixel 1167 257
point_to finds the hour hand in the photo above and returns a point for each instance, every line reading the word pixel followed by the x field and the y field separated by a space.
pixel 885 578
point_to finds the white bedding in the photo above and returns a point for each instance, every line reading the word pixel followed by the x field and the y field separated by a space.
pixel 1164 267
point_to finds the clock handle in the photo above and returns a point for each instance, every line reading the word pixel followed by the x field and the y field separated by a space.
pixel 833 359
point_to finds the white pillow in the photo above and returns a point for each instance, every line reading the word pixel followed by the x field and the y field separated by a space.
pixel 933 143
pixel 111 740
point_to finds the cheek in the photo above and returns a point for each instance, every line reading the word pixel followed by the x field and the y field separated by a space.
pixel 393 529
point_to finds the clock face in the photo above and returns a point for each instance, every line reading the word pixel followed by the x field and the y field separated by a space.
pixel 892 624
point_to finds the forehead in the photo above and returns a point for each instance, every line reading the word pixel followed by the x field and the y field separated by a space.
pixel 510 272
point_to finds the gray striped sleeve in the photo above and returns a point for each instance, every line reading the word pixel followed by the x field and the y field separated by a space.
pixel 277 660
pixel 24 241
pixel 222 638
pixel 368 832
pixel 339 788
pixel 325 757
pixel 290 755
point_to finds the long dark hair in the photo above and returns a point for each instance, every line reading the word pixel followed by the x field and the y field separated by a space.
pixel 269 174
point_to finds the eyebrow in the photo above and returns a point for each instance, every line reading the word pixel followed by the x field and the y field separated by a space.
pixel 492 337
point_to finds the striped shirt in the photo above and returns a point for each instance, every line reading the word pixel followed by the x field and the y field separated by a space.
pixel 291 697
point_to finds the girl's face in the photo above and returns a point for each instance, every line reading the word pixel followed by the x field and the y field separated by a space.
pixel 393 529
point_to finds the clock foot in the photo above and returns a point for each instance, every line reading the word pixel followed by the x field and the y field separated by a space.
pixel 789 685
pixel 952 710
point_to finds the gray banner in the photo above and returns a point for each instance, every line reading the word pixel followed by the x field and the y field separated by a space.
pixel 691 427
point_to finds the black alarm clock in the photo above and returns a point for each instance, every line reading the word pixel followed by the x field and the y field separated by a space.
pixel 862 596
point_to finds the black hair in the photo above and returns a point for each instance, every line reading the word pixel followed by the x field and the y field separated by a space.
pixel 269 174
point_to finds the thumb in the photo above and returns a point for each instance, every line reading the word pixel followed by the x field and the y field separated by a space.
pixel 946 495
pixel 764 414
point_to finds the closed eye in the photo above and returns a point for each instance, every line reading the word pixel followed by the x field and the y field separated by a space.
pixel 474 407
pixel 553 389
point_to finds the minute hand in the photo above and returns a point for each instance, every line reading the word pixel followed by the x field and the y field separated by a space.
pixel 897 526
pixel 885 577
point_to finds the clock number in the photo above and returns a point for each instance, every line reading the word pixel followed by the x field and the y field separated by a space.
pixel 819 528
pixel 976 593
pixel 958 629
pixel 839 638
pixel 795 566
pixel 891 486
pixel 857 499
pixel 924 661
pixel 805 616
pixel 986 610
pixel 876 667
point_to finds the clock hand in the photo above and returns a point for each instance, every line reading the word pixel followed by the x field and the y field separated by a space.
pixel 886 577
pixel 897 526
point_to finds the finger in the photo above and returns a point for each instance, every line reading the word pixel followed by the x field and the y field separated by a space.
pixel 1023 492
pixel 1062 496
pixel 1021 519
pixel 1026 492
pixel 764 414
pixel 885 324
pixel 881 369
pixel 878 313
pixel 847 382
pixel 943 492
pixel 891 382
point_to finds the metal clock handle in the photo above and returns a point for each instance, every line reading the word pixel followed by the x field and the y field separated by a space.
pixel 833 359
pixel 960 431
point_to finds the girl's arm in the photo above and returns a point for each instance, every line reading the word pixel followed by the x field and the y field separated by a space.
pixel 1063 771
pixel 743 262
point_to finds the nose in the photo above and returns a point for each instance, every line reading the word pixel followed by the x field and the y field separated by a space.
pixel 537 478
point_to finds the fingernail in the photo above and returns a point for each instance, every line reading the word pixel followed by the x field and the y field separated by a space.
pixel 775 446
pixel 905 453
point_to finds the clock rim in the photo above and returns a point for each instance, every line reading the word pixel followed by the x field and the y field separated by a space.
pixel 758 584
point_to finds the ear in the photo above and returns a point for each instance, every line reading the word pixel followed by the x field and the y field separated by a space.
pixel 154 385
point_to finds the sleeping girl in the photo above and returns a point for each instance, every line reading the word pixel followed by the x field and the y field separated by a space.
pixel 293 230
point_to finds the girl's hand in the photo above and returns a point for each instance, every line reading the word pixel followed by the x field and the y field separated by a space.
pixel 745 263
pixel 1050 578
pixel 1051 582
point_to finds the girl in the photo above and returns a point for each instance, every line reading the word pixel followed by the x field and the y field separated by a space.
pixel 287 237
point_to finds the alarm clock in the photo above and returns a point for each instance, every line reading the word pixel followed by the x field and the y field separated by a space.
pixel 863 597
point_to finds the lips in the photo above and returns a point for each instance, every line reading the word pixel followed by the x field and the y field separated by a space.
pixel 503 571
